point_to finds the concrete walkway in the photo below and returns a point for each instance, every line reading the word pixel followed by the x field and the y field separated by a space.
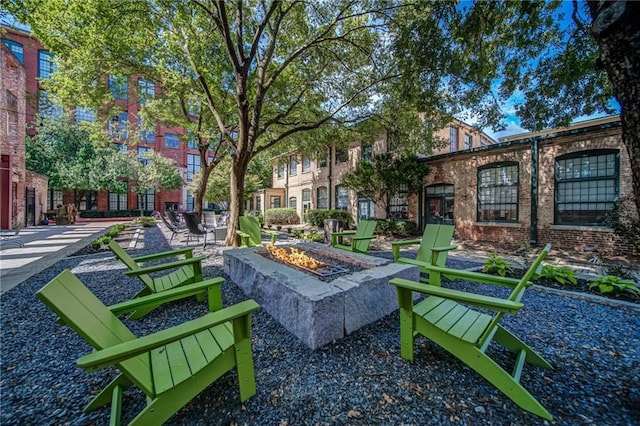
pixel 36 248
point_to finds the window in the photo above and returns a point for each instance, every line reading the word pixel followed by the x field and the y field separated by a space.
pixel 190 202
pixel 47 107
pixel 192 143
pixel 586 186
pixel 147 200
pixel 280 171
pixel 453 137
pixel 171 141
pixel 306 164
pixel 275 202
pixel 468 141
pixel 85 114
pixel 193 165
pixel 118 87
pixel 119 126
pixel 121 147
pixel 399 203
pixel 46 66
pixel 498 193
pixel 146 90
pixel 90 201
pixel 367 152
pixel 15 48
pixel 342 155
pixel 322 159
pixel 322 198
pixel 258 203
pixel 118 201
pixel 306 195
pixel 54 199
pixel 342 197
pixel 293 166
pixel 147 135
pixel 293 201
pixel 142 155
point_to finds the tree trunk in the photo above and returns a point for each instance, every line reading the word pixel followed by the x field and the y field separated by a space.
pixel 616 28
pixel 201 190
pixel 236 202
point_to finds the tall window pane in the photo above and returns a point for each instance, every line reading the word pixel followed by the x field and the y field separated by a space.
pixel 146 90
pixel 46 66
pixel 119 87
pixel 85 114
pixel 453 137
pixel 293 166
pixel 142 154
pixel 193 166
pixel 171 141
pixel 119 126
pixel 322 200
pixel 293 202
pixel 16 48
pixel 498 193
pixel 587 185
pixel 342 197
pixel 118 201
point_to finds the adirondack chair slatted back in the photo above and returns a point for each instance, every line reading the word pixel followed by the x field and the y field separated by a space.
pixel 435 235
pixel 366 228
pixel 124 257
pixel 72 301
pixel 516 293
pixel 250 225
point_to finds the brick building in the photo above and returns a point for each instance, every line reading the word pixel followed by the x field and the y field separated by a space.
pixel 129 93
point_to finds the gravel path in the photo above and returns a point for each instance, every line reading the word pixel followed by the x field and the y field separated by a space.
pixel 358 380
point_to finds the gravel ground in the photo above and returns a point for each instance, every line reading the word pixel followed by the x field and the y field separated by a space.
pixel 358 380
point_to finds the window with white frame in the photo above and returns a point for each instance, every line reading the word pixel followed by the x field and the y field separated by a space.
pixel 586 186
pixel 46 65
pixel 498 193
pixel 259 203
pixel 293 166
pixel 468 141
pixel 293 202
pixel 342 197
pixel 16 48
pixel 322 159
pixel 453 138
pixel 171 141
pixel 275 202
pixel 280 171
pixel 193 165
pixel 306 164
pixel 322 198
pixel 399 203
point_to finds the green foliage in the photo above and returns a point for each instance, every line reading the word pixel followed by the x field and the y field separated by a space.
pixel 610 284
pixel 396 228
pixel 281 216
pixel 385 175
pixel 109 235
pixel 497 264
pixel 312 235
pixel 95 214
pixel 146 221
pixel 624 221
pixel 560 274
pixel 153 172
pixel 318 216
pixel 101 241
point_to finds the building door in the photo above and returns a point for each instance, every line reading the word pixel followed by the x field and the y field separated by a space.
pixel 30 207
pixel 366 208
pixel 439 202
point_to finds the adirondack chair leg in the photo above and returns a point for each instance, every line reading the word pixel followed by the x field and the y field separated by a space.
pixel 244 358
pixel 406 323
pixel 116 407
pixel 214 296
pixel 106 395
pixel 515 345
pixel 487 368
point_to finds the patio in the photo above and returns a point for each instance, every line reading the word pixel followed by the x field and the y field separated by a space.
pixel 359 379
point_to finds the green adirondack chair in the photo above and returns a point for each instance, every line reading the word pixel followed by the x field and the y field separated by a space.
pixel 171 366
pixel 434 247
pixel 180 272
pixel 251 234
pixel 360 238
pixel 444 318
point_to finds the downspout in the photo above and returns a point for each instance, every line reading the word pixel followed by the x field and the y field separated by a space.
pixel 534 192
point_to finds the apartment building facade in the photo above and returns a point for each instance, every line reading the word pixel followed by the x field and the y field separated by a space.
pixel 129 93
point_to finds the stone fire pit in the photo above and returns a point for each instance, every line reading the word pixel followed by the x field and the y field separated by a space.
pixel 318 312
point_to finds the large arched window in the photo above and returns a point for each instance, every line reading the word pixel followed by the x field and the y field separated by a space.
pixel 293 202
pixel 586 185
pixel 498 193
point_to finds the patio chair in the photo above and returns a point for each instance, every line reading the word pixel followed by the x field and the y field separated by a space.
pixel 173 217
pixel 444 318
pixel 359 239
pixel 175 230
pixel 251 234
pixel 434 247
pixel 213 225
pixel 196 228
pixel 171 366
pixel 179 272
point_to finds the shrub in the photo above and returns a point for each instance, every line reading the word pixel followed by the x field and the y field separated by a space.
pixel 100 241
pixel 497 264
pixel 318 216
pixel 606 284
pixel 146 221
pixel 624 221
pixel 281 216
pixel 561 274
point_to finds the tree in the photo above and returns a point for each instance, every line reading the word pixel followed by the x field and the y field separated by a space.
pixel 64 152
pixel 258 73
pixel 474 57
pixel 387 174
pixel 152 172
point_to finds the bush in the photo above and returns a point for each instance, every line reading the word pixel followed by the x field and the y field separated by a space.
pixel 146 221
pixel 610 284
pixel 318 216
pixel 497 264
pixel 560 274
pixel 396 228
pixel 624 221
pixel 281 216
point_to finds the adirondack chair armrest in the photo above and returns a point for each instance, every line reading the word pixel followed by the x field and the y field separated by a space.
pixel 488 302
pixel 188 252
pixel 158 299
pixel 363 238
pixel 164 266
pixel 475 276
pixel 343 233
pixel 395 246
pixel 244 237
pixel 444 248
pixel 105 357
pixel 272 234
